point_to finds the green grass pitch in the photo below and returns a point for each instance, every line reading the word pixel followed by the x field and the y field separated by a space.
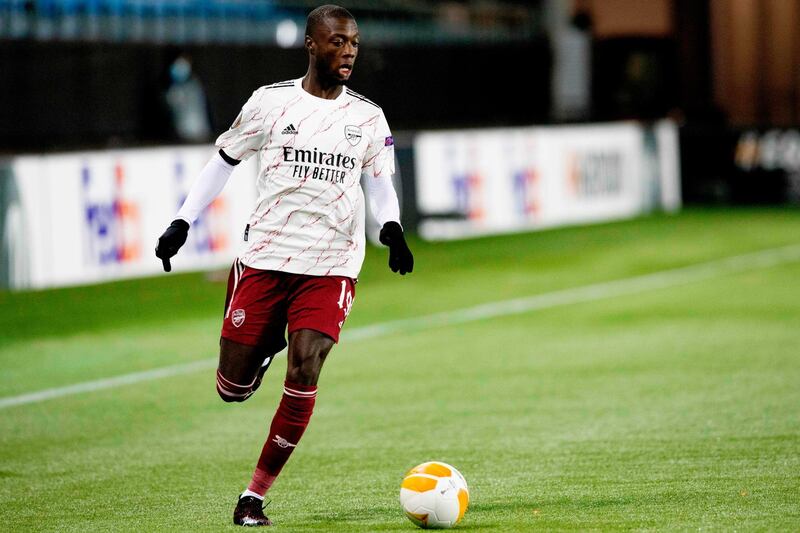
pixel 676 408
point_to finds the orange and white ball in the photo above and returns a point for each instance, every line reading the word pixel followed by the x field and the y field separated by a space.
pixel 434 495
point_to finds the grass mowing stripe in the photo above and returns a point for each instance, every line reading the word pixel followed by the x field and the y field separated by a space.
pixel 657 280
pixel 588 293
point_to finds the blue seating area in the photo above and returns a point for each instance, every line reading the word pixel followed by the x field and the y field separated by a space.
pixel 262 22
pixel 161 21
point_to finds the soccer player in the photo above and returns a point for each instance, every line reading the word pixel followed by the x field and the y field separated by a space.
pixel 304 244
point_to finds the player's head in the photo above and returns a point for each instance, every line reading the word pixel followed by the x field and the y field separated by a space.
pixel 332 43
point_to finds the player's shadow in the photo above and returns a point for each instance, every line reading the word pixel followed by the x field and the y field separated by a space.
pixel 357 520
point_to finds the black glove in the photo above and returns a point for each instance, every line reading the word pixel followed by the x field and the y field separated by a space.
pixel 400 257
pixel 171 241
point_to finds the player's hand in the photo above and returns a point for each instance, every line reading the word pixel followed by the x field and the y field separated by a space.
pixel 400 258
pixel 171 241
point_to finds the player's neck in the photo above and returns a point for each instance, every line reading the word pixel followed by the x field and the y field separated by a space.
pixel 315 87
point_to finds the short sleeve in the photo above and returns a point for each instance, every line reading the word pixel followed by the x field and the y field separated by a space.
pixel 379 158
pixel 246 135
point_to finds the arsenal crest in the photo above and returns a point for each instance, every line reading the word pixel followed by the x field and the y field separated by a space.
pixel 238 317
pixel 352 134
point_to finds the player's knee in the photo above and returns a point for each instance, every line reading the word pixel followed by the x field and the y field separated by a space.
pixel 303 376
pixel 307 352
pixel 305 370
pixel 231 392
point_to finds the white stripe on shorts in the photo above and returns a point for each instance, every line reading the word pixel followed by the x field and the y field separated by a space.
pixel 238 269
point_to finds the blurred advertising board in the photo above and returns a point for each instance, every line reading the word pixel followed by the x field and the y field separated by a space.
pixel 87 217
pixel 721 164
pixel 481 182
pixel 767 166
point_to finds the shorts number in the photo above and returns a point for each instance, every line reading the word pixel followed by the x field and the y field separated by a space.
pixel 345 299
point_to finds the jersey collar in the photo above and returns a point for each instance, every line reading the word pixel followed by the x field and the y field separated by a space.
pixel 298 83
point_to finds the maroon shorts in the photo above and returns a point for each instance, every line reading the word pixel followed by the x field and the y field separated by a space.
pixel 261 303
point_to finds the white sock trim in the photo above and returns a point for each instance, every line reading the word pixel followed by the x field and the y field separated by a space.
pixel 248 492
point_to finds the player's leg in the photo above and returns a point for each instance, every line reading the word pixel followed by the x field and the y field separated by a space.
pixel 241 368
pixel 316 314
pixel 252 331
pixel 307 352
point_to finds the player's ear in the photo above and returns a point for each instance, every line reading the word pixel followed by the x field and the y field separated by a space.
pixel 310 46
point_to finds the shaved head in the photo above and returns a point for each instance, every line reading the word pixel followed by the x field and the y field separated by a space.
pixel 332 42
pixel 320 14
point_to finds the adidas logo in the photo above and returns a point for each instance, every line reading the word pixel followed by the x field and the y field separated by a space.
pixel 289 130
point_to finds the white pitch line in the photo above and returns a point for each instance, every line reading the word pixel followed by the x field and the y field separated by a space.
pixel 107 383
pixel 587 293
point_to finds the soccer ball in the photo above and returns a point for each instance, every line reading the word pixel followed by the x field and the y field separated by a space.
pixel 434 495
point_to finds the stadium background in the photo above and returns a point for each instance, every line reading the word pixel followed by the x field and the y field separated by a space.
pixel 639 372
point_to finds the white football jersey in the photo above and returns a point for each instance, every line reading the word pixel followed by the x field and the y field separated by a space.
pixel 309 217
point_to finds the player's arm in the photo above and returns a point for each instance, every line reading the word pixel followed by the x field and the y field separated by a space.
pixel 244 138
pixel 386 209
pixel 208 185
pixel 379 168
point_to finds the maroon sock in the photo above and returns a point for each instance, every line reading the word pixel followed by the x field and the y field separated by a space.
pixel 287 427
